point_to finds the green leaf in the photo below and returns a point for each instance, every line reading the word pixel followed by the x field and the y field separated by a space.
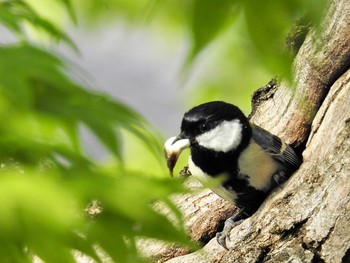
pixel 38 215
pixel 268 24
pixel 13 14
pixel 106 232
pixel 70 8
pixel 270 21
pixel 43 137
pixel 313 10
pixel 8 19
pixel 207 19
pixel 85 246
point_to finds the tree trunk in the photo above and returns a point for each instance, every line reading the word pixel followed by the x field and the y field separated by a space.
pixel 308 218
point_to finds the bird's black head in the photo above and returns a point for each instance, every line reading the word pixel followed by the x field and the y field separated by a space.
pixel 215 131
pixel 217 126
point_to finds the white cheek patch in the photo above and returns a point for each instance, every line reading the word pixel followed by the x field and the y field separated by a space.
pixel 223 138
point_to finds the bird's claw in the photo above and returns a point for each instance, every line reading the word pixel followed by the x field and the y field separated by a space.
pixel 279 178
pixel 221 237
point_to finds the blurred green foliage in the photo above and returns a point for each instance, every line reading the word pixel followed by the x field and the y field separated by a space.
pixel 46 178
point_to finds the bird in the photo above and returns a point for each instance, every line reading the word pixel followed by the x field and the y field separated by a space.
pixel 223 142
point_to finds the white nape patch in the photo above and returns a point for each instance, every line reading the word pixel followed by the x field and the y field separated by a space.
pixel 223 138
pixel 202 177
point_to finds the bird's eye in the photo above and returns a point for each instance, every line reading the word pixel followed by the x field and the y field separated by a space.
pixel 203 127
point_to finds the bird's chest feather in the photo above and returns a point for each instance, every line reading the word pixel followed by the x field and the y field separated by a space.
pixel 203 177
pixel 248 174
pixel 257 166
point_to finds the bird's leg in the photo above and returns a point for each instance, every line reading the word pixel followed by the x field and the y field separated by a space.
pixel 230 223
pixel 279 178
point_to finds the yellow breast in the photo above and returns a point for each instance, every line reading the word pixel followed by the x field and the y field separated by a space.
pixel 258 166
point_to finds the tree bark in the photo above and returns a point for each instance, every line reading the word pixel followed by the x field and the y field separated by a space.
pixel 308 218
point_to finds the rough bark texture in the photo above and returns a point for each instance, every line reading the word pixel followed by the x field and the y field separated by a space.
pixel 204 213
pixel 308 219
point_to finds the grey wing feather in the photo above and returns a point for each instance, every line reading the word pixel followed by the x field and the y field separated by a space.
pixel 272 144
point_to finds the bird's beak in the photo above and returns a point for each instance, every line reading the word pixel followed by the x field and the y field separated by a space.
pixel 173 148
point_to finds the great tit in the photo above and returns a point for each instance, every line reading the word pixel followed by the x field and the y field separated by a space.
pixel 224 143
